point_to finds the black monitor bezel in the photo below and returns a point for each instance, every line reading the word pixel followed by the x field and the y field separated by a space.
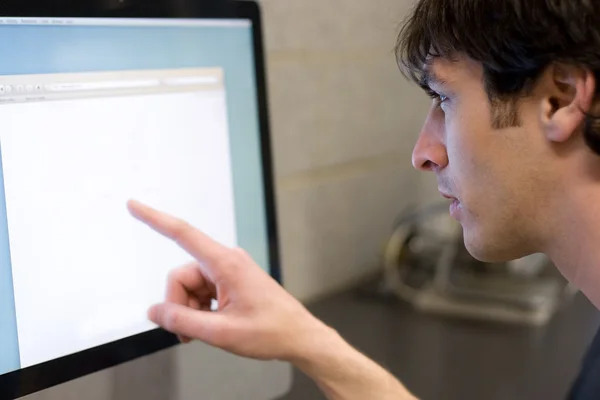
pixel 30 380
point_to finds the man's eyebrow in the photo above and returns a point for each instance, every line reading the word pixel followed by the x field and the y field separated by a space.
pixel 430 79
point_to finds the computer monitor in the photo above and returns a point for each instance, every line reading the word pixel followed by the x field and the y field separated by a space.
pixel 100 104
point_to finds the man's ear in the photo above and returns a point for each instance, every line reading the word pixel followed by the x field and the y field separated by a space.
pixel 568 97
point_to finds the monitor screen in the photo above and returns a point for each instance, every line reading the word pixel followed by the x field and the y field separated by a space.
pixel 95 112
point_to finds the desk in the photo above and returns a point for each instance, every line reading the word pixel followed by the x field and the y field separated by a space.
pixel 447 359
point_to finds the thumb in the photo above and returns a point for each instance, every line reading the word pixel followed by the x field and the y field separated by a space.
pixel 187 322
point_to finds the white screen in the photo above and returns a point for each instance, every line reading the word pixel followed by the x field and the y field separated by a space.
pixel 70 165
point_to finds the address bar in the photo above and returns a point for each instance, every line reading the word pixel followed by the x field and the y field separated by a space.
pixel 192 80
pixel 106 85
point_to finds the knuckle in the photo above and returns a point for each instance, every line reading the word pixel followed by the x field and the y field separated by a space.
pixel 171 320
pixel 241 254
pixel 175 278
pixel 181 230
pixel 173 275
pixel 180 273
pixel 230 259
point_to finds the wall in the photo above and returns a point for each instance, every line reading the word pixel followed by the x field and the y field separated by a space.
pixel 344 122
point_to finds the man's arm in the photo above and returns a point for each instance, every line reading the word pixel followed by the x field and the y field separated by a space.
pixel 257 318
pixel 343 373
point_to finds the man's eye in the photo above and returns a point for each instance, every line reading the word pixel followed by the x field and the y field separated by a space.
pixel 440 98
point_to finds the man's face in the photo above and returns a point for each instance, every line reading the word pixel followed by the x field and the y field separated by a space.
pixel 497 177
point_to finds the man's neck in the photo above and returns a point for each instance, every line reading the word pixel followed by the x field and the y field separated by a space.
pixel 575 244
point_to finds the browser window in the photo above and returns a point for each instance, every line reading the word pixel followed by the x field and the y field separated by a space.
pixel 75 148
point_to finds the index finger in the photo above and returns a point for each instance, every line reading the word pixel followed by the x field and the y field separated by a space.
pixel 200 246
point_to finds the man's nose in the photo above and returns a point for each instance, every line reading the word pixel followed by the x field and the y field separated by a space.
pixel 430 152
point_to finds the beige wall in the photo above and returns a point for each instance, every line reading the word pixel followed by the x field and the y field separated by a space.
pixel 344 121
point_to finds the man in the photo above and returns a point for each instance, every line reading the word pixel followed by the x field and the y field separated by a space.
pixel 513 137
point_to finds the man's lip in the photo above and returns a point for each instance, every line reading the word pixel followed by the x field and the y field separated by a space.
pixel 447 196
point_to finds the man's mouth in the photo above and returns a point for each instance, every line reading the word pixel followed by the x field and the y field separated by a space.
pixel 455 206
pixel 447 196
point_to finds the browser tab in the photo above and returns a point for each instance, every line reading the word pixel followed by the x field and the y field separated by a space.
pixel 129 22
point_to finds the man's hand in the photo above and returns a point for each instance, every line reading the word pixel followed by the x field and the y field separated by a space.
pixel 256 317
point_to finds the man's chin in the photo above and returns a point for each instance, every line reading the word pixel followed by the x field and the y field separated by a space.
pixel 492 251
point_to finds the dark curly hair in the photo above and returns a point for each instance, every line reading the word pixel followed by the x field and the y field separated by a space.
pixel 514 40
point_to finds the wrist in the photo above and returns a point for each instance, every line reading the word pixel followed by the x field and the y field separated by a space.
pixel 341 371
pixel 317 348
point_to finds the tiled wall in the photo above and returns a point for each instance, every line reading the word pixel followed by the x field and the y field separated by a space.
pixel 344 122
